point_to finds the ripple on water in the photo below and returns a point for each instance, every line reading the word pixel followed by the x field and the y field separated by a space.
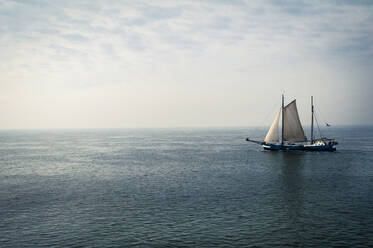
pixel 181 188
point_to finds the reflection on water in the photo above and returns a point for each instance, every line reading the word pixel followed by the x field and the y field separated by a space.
pixel 292 190
pixel 288 167
pixel 179 188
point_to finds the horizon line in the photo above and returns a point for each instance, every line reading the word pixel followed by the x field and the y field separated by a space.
pixel 164 127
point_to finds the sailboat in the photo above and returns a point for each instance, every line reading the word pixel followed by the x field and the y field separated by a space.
pixel 292 133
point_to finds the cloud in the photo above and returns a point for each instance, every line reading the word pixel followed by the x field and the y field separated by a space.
pixel 213 47
pixel 322 26
pixel 75 37
pixel 108 48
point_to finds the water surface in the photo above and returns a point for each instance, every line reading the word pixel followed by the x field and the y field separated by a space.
pixel 182 188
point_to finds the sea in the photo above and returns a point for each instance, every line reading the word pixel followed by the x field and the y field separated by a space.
pixel 183 187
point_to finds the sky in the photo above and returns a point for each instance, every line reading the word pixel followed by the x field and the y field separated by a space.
pixel 159 63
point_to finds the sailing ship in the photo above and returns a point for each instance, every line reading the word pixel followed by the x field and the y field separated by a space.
pixel 292 133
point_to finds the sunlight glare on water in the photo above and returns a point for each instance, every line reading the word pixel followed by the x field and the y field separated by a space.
pixel 182 187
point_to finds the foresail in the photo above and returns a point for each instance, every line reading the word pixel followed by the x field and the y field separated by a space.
pixel 293 130
pixel 272 135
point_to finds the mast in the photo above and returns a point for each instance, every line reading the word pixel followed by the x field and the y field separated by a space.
pixel 312 120
pixel 282 124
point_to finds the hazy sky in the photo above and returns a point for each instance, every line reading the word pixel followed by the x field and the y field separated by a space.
pixel 112 64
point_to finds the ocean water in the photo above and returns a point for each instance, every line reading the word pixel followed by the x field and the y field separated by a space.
pixel 182 188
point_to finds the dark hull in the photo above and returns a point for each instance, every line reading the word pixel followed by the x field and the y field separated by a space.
pixel 278 147
pixel 327 148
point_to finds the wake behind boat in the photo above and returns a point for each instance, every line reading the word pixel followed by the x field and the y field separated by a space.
pixel 292 133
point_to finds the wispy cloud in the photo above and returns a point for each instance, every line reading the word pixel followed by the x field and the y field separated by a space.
pixel 77 44
pixel 321 26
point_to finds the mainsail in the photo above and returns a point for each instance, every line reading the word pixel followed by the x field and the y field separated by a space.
pixel 293 130
pixel 272 135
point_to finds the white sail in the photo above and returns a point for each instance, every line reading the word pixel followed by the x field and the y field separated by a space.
pixel 272 135
pixel 293 130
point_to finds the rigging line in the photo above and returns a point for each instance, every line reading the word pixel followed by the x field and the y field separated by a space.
pixel 318 127
pixel 321 116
